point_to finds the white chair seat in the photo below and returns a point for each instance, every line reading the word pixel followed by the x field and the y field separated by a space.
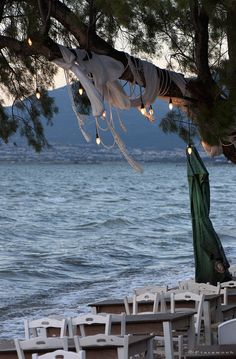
pixel 62 354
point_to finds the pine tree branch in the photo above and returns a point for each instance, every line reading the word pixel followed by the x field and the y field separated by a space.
pixel 48 48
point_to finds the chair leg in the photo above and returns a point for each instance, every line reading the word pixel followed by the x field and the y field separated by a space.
pixel 180 346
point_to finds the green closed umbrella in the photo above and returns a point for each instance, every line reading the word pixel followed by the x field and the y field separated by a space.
pixel 211 264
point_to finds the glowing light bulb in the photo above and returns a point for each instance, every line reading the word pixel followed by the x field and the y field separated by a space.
pixel 37 93
pixel 170 105
pixel 98 139
pixel 104 114
pixel 142 109
pixel 81 90
pixel 30 43
pixel 151 112
pixel 189 150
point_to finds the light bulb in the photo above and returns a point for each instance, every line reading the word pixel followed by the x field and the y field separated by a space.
pixel 104 114
pixel 151 112
pixel 30 43
pixel 170 105
pixel 37 93
pixel 189 150
pixel 81 90
pixel 98 139
pixel 142 109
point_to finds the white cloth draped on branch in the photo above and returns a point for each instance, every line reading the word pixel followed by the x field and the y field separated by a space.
pixel 106 72
pixel 99 75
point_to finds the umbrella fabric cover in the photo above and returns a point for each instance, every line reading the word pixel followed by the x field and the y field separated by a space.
pixel 211 264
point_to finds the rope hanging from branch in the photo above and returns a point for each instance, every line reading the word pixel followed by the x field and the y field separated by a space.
pixel 99 76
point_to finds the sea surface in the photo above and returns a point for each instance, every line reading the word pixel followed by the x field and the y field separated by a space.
pixel 72 234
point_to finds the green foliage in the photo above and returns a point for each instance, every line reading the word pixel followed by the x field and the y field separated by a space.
pixel 20 75
pixel 160 28
pixel 27 118
pixel 8 126
pixel 214 123
pixel 177 122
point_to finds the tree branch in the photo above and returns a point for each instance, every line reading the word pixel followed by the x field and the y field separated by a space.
pixel 45 15
pixel 201 21
pixel 96 44
pixel 49 49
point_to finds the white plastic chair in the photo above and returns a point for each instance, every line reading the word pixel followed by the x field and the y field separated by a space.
pixel 122 343
pixel 177 340
pixel 229 284
pixel 62 354
pixel 35 344
pixel 85 320
pixel 197 300
pixel 205 288
pixel 39 327
pixel 155 298
pixel 227 332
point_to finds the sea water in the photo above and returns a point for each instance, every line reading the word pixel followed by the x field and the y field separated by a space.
pixel 74 234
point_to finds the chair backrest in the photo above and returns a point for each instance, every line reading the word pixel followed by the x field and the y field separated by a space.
pixel 206 288
pixel 229 284
pixel 119 318
pixel 83 321
pixel 197 300
pixel 184 284
pixel 38 343
pixel 227 332
pixel 41 327
pixel 180 290
pixel 150 289
pixel 62 354
pixel 122 343
pixel 200 288
pixel 154 298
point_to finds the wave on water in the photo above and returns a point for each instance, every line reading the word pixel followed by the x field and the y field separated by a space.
pixel 116 222
pixel 69 238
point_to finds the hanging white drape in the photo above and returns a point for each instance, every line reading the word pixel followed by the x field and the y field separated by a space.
pixel 68 63
pixel 99 75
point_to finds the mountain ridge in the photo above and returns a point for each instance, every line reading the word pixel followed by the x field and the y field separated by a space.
pixel 140 132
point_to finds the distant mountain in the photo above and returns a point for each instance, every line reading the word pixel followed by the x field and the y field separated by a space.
pixel 140 132
pixel 144 140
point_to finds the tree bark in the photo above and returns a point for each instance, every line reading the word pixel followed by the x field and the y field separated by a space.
pixel 201 23
pixel 229 148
